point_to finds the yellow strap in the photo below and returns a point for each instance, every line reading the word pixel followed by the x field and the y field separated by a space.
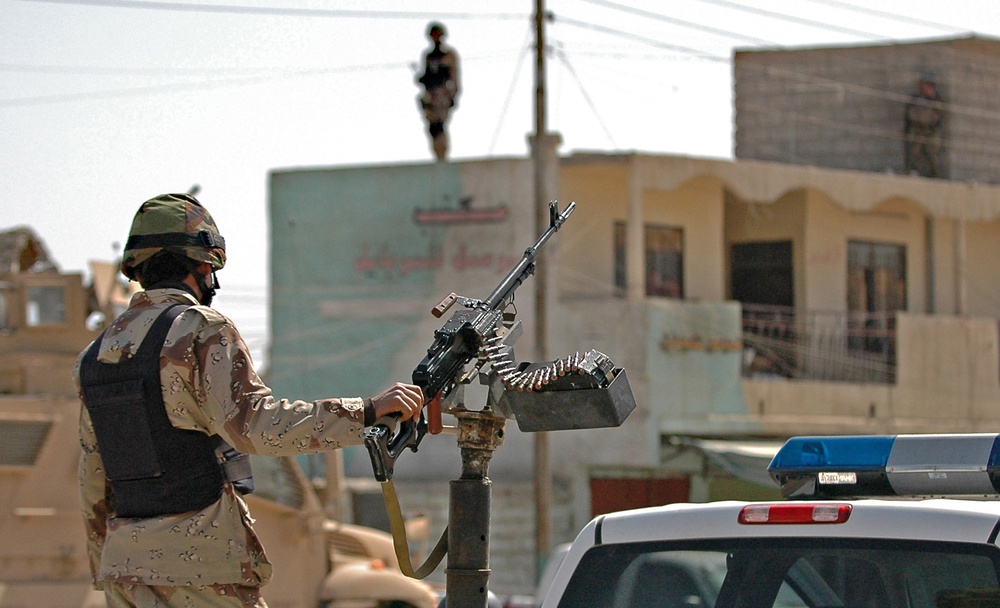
pixel 398 527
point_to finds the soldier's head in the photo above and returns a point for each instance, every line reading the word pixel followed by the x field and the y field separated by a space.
pixel 436 31
pixel 174 236
pixel 928 81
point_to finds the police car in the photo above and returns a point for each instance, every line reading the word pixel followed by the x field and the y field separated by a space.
pixel 903 521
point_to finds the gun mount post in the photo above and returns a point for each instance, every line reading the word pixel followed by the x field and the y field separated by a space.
pixel 468 572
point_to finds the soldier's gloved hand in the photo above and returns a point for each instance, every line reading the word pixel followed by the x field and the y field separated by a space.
pixel 404 399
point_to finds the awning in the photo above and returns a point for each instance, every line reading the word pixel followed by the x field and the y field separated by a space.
pixel 746 460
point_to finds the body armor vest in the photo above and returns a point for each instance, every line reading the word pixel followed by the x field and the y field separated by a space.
pixel 154 468
pixel 436 72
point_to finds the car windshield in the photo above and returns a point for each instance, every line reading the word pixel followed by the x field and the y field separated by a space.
pixel 786 573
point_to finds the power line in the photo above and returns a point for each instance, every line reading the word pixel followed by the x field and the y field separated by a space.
pixel 198 7
pixel 590 102
pixel 888 15
pixel 175 86
pixel 688 24
pixel 770 70
pixel 985 63
pixel 256 76
pixel 89 70
pixel 643 39
pixel 525 48
pixel 793 18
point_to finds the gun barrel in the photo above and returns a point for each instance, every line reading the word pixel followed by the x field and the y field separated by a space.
pixel 526 266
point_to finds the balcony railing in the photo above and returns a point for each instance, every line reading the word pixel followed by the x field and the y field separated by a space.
pixel 818 345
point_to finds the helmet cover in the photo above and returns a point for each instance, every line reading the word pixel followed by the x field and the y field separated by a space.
pixel 176 223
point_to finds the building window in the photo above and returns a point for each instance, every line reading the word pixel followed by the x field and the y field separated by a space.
pixel 4 309
pixel 876 288
pixel 46 306
pixel 21 441
pixel 876 277
pixel 664 249
pixel 762 273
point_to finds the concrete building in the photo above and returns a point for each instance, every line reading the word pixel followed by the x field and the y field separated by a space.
pixel 843 107
pixel 748 301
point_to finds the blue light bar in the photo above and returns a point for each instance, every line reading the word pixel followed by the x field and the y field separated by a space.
pixel 888 465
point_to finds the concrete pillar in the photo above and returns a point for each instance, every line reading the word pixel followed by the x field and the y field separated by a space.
pixel 635 246
pixel 961 276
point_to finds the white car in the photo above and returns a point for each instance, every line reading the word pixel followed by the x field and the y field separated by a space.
pixel 828 546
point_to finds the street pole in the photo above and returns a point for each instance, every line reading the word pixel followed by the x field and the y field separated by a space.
pixel 543 473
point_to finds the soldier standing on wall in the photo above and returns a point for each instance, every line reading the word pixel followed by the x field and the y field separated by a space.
pixel 440 81
pixel 172 405
pixel 922 129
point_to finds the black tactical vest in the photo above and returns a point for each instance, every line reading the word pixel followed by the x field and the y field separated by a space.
pixel 436 72
pixel 154 468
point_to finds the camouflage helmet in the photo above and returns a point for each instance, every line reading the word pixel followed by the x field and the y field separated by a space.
pixel 176 223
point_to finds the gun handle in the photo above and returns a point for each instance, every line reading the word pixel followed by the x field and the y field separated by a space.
pixel 433 410
pixel 387 439
pixel 443 306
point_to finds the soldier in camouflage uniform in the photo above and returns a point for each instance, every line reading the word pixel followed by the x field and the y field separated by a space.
pixel 441 88
pixel 922 128
pixel 208 554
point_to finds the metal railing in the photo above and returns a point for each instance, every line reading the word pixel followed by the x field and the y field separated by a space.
pixel 819 345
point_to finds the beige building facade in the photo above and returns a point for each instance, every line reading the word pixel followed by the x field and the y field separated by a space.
pixel 748 301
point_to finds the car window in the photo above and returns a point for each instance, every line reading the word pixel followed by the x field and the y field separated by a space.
pixel 681 579
pixel 786 573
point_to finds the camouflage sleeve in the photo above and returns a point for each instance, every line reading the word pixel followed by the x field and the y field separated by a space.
pixel 456 77
pixel 93 495
pixel 94 490
pixel 233 401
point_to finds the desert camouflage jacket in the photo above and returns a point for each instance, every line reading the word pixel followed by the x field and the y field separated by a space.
pixel 209 384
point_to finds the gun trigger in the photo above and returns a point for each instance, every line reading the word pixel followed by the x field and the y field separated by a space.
pixel 443 306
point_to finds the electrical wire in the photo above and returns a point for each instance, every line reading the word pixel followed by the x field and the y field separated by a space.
pixel 259 76
pixel 686 24
pixel 638 38
pixel 868 10
pixel 583 91
pixel 525 48
pixel 199 7
pixel 186 86
pixel 793 19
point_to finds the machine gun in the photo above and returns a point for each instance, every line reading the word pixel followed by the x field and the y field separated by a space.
pixel 464 337
pixel 575 392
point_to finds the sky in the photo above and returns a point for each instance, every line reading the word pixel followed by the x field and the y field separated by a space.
pixel 107 103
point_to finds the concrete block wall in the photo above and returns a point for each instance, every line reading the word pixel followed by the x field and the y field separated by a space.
pixel 843 107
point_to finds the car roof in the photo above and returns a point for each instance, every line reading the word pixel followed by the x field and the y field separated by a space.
pixel 931 519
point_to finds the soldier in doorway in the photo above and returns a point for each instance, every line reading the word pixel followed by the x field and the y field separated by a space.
pixel 440 81
pixel 922 129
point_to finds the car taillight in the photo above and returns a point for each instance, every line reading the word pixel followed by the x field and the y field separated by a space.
pixel 795 513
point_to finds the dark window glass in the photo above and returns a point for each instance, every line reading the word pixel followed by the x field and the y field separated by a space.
pixel 664 252
pixel 785 573
pixel 21 441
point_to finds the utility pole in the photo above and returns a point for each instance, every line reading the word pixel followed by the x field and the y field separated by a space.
pixel 540 143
